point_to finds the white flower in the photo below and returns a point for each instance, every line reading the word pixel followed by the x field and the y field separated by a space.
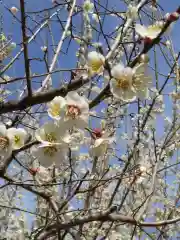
pixel 95 62
pixel 5 143
pixel 57 108
pixel 52 148
pixel 77 111
pixel 121 84
pixel 101 144
pixel 141 81
pixel 151 31
pixel 18 137
pixel 132 12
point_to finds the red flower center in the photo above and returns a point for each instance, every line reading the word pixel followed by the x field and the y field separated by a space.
pixel 73 111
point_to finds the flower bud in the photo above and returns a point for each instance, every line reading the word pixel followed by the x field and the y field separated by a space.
pixel 13 10
pixel 173 17
pixel 178 10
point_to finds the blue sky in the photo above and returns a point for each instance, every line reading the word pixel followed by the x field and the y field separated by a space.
pixel 69 60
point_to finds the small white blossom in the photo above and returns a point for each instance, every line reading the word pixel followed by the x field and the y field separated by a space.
pixel 52 148
pixel 11 139
pixel 77 111
pixel 5 143
pixel 18 137
pixel 57 108
pixel 102 142
pixel 95 62
pixel 121 84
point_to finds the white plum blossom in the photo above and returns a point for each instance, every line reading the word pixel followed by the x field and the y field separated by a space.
pixel 57 108
pixel 18 137
pixel 103 141
pixel 121 83
pixel 77 111
pixel 141 81
pixel 95 62
pixel 151 31
pixel 73 110
pixel 52 149
pixel 5 143
pixel 128 83
pixel 11 139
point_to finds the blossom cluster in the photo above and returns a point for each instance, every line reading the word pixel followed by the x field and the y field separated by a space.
pixel 66 132
pixel 127 83
pixel 11 139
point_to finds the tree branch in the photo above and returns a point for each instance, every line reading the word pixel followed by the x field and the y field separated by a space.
pixel 103 217
pixel 26 59
pixel 41 97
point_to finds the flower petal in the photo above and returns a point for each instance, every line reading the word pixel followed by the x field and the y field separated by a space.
pixel 2 129
pixel 141 30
